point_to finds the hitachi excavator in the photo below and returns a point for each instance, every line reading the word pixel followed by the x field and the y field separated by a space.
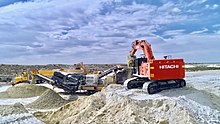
pixel 151 74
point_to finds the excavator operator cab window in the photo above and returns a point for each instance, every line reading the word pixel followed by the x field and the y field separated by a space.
pixel 144 60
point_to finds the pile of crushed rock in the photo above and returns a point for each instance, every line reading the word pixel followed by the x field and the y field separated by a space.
pixel 110 107
pixel 17 108
pixel 16 114
pixel 48 100
pixel 23 91
pixel 114 104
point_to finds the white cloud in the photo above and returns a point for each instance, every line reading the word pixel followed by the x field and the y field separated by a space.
pixel 207 6
pixel 214 6
pixel 194 47
pixel 101 31
pixel 199 32
pixel 216 25
pixel 173 32
pixel 196 2
pixel 218 32
pixel 176 9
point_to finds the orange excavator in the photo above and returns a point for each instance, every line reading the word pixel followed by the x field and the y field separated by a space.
pixel 151 74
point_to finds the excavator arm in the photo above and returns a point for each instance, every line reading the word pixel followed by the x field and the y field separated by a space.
pixel 140 45
pixel 144 46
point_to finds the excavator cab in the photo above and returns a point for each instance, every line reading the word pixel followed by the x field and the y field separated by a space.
pixel 137 64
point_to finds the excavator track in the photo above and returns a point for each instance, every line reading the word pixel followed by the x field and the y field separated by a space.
pixel 153 86
pixel 135 82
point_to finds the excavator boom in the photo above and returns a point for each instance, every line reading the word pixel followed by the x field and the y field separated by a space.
pixel 144 46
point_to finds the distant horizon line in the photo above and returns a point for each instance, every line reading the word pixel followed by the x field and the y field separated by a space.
pixel 102 63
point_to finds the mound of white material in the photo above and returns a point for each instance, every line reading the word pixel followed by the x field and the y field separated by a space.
pixel 24 118
pixel 17 108
pixel 16 114
pixel 115 104
pixel 23 91
pixel 48 100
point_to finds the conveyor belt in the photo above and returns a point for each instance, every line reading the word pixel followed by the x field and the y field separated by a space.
pixel 45 78
pixel 107 72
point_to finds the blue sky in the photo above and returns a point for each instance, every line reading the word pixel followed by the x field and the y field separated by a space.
pixel 101 31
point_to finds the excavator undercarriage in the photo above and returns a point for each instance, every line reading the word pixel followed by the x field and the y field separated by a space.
pixel 153 86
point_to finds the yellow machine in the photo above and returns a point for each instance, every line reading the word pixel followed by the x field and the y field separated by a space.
pixel 25 76
pixel 21 77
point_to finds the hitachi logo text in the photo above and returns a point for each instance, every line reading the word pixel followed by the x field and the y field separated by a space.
pixel 168 66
